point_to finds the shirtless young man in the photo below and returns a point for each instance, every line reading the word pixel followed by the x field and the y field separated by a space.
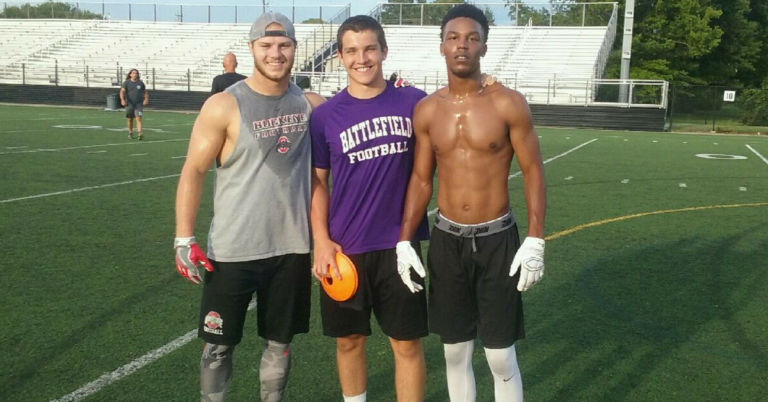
pixel 477 266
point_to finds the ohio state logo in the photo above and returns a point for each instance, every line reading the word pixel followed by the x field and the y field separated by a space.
pixel 283 144
pixel 213 320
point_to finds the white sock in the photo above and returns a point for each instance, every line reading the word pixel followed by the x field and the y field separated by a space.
pixel 507 383
pixel 458 370
pixel 357 398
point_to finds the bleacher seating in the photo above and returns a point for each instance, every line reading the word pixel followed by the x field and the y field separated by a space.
pixel 537 61
pixel 172 50
pixel 526 58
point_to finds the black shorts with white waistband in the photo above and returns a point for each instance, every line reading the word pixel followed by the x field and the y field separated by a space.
pixel 402 315
pixel 470 291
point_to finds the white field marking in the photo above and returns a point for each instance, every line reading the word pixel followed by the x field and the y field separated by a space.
pixel 569 178
pixel 128 369
pixel 683 185
pixel 567 138
pixel 758 154
pixel 625 181
pixel 715 143
pixel 16 147
pixel 742 189
pixel 655 141
pixel 138 154
pixel 75 190
pixel 98 152
pixel 178 157
pixel 63 118
pixel 434 211
pixel 29 151
pixel 626 140
pixel 172 125
pixel 685 142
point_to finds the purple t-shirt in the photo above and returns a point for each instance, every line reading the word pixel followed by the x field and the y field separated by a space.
pixel 368 146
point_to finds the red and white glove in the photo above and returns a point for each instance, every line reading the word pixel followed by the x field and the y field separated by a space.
pixel 529 260
pixel 188 254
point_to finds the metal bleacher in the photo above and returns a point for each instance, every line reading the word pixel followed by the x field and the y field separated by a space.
pixel 96 53
pixel 548 64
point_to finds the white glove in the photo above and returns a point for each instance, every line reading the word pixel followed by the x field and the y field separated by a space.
pixel 407 258
pixel 531 257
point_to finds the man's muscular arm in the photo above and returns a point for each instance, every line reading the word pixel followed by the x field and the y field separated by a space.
pixel 417 196
pixel 529 259
pixel 325 249
pixel 420 185
pixel 208 136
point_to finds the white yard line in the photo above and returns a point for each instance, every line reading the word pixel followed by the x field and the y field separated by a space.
pixel 138 154
pixel 128 369
pixel 434 211
pixel 757 153
pixel 75 190
pixel 29 151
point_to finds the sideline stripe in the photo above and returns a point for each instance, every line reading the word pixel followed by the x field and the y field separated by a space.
pixel 29 151
pixel 75 190
pixel 757 153
pixel 633 216
pixel 128 369
pixel 434 211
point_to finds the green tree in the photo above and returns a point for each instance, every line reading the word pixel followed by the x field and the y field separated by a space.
pixel 739 49
pixel 759 14
pixel 409 12
pixel 670 39
pixel 520 14
pixel 313 21
pixel 48 10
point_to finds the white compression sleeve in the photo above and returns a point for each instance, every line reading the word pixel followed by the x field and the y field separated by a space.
pixel 458 369
pixel 507 383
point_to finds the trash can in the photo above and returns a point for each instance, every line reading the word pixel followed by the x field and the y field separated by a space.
pixel 112 102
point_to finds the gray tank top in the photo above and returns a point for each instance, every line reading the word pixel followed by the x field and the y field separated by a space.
pixel 262 190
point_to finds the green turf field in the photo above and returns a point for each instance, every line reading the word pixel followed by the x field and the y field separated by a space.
pixel 634 306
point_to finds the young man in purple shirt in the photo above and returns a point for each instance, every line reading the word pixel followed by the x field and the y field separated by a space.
pixel 364 135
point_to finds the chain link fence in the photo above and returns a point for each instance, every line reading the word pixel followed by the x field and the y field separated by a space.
pixel 718 109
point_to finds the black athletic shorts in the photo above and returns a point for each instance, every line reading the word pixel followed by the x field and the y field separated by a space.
pixel 283 286
pixel 133 110
pixel 402 315
pixel 471 293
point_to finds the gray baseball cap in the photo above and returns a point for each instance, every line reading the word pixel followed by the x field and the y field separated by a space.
pixel 259 27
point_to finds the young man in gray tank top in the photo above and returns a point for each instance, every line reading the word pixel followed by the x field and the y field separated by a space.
pixel 259 240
